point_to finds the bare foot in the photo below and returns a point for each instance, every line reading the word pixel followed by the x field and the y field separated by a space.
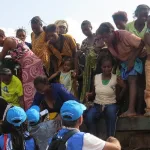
pixel 128 114
pixel 147 114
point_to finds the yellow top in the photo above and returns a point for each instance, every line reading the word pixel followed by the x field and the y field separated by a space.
pixel 40 49
pixel 13 91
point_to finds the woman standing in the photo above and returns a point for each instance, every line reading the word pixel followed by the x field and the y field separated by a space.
pixel 60 46
pixel 62 26
pixel 120 19
pixel 127 48
pixel 31 65
pixel 39 45
pixel 139 26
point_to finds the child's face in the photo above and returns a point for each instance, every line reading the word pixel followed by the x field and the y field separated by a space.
pixel 67 66
pixel 106 67
pixel 21 35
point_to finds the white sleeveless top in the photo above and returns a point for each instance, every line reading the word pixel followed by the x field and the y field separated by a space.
pixel 105 94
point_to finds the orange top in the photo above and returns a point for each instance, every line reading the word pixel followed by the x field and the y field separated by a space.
pixel 40 49
pixel 69 46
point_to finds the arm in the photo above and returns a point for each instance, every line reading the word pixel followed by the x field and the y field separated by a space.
pixel 54 75
pixel 8 45
pixel 147 39
pixel 21 101
pixel 112 143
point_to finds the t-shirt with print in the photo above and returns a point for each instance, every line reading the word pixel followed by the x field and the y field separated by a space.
pixel 13 91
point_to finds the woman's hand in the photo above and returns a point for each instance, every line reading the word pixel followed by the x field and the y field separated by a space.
pixel 120 82
pixel 73 74
pixel 88 96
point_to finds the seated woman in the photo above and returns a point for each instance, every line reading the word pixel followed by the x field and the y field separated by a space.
pixel 50 96
pixel 127 48
pixel 105 98
pixel 21 34
pixel 59 45
pixel 14 134
pixel 120 19
pixel 11 88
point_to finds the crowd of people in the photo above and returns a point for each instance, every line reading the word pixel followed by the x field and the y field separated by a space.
pixel 63 85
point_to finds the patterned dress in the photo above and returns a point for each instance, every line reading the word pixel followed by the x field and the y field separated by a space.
pixel 31 67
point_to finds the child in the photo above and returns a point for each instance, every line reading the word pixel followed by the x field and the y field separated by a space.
pixel 105 98
pixel 67 76
pixel 147 68
pixel 21 34
pixel 41 131
pixel 13 128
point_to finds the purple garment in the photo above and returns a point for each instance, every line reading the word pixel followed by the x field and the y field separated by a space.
pixel 60 95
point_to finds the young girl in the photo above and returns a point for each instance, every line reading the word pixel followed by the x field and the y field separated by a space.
pixel 67 76
pixel 21 34
pixel 13 128
pixel 105 98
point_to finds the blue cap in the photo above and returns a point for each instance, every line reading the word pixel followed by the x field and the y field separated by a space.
pixel 16 113
pixel 72 110
pixel 33 114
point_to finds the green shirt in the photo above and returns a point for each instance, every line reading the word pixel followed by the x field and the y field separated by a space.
pixel 131 28
pixel 105 82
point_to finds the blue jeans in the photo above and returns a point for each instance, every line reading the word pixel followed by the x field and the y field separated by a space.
pixel 109 113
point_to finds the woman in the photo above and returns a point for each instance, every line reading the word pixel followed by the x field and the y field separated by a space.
pixel 50 96
pixel 126 47
pixel 21 34
pixel 104 93
pixel 14 134
pixel 31 65
pixel 39 45
pixel 59 45
pixel 120 19
pixel 88 50
pixel 62 26
pixel 139 26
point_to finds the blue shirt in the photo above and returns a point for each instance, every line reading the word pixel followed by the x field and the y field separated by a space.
pixel 60 95
pixel 29 144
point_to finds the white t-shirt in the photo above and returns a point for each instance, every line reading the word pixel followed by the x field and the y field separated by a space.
pixel 91 142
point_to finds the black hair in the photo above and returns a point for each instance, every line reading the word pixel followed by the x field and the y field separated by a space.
pixel 120 15
pixel 5 71
pixel 51 28
pixel 140 8
pixel 17 134
pixel 36 20
pixel 40 79
pixel 107 58
pixel 2 33
pixel 68 59
pixel 86 22
pixel 70 124
pixel 105 27
pixel 20 30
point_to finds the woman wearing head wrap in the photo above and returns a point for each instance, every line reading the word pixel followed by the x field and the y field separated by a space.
pixel 31 65
pixel 14 133
pixel 39 45
pixel 62 26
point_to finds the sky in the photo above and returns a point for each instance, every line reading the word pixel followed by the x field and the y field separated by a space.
pixel 18 13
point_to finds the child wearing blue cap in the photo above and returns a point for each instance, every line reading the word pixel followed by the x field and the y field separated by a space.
pixel 15 136
pixel 40 131
pixel 72 118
